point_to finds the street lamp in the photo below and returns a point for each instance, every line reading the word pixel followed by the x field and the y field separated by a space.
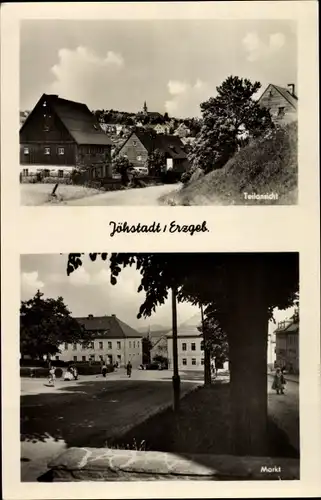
pixel 175 378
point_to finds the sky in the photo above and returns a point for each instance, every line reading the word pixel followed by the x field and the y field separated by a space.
pixel 88 291
pixel 173 65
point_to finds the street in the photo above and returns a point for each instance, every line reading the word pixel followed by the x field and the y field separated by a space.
pixel 148 196
pixel 92 410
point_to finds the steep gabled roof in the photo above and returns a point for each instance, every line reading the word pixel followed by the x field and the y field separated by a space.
pixel 285 93
pixel 108 327
pixel 171 145
pixel 78 120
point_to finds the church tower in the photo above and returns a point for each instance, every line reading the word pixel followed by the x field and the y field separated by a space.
pixel 145 108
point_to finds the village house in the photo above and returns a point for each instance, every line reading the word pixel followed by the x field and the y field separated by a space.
pixel 182 131
pixel 281 102
pixel 114 342
pixel 142 142
pixel 287 345
pixel 162 128
pixel 59 135
pixel 190 345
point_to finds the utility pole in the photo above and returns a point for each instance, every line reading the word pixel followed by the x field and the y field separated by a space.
pixel 176 378
pixel 207 353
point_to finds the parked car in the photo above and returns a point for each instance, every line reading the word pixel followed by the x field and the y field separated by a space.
pixel 138 170
pixel 151 366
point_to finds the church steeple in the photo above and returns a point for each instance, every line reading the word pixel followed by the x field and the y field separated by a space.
pixel 145 108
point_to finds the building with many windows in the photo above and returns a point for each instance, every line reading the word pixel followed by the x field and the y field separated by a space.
pixel 287 345
pixel 190 345
pixel 114 342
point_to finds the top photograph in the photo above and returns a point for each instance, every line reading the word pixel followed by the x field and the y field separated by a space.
pixel 158 112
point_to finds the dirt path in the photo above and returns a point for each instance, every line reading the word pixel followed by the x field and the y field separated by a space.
pixel 148 196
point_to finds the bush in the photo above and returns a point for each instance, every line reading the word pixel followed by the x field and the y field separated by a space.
pixel 87 369
pixel 38 372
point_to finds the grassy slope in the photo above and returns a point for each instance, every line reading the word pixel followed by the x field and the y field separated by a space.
pixel 265 166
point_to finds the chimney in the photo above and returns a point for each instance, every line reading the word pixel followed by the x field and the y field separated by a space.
pixel 90 316
pixel 113 315
pixel 292 89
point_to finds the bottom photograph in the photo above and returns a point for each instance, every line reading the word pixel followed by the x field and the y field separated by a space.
pixel 159 366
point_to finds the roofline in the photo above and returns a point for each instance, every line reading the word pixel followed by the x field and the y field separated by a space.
pixel 57 115
pixel 276 88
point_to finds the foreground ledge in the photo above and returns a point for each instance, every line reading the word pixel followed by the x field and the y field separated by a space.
pixel 100 464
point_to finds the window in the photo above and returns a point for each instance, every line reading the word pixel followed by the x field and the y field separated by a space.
pixel 130 344
pixel 109 345
pixel 25 172
pixel 202 345
pixel 25 151
pixel 75 358
pixel 134 143
pixel 92 357
pixel 60 173
pixel 44 104
pixel 47 151
pixel 193 361
pixel 281 111
pixel 184 346
pixel 83 358
pixel 46 172
pixel 91 345
pixel 57 358
pixel 46 128
pixel 74 347
pixel 134 344
pixel 66 346
pixel 101 345
pixel 184 360
pixel 61 151
pixel 118 345
pixel 202 361
pixel 193 346
pixel 139 158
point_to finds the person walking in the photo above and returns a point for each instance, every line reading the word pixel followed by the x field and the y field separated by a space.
pixel 104 370
pixel 52 376
pixel 129 369
pixel 278 382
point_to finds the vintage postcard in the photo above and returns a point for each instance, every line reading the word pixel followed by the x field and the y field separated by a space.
pixel 172 352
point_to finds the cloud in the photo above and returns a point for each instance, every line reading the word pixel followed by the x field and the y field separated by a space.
pixel 257 49
pixel 186 97
pixel 78 72
pixel 30 282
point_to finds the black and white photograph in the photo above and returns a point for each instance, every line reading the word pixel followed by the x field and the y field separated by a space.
pixel 172 112
pixel 159 366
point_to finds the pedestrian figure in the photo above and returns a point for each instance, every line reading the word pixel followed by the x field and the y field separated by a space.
pixel 278 382
pixel 129 369
pixel 75 373
pixel 69 374
pixel 52 376
pixel 104 370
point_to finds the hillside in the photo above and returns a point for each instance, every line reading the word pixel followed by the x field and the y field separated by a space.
pixel 267 165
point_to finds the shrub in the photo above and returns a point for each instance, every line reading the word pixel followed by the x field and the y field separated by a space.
pixel 91 369
pixel 38 372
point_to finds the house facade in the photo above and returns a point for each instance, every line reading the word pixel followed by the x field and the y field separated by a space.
pixel 62 133
pixel 190 346
pixel 281 102
pixel 113 342
pixel 143 142
pixel 287 345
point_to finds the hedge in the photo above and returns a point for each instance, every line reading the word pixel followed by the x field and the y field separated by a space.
pixel 39 372
pixel 86 369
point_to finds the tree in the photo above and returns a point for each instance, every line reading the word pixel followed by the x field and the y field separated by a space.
pixel 216 338
pixel 241 291
pixel 156 162
pixel 121 164
pixel 146 348
pixel 228 122
pixel 45 324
